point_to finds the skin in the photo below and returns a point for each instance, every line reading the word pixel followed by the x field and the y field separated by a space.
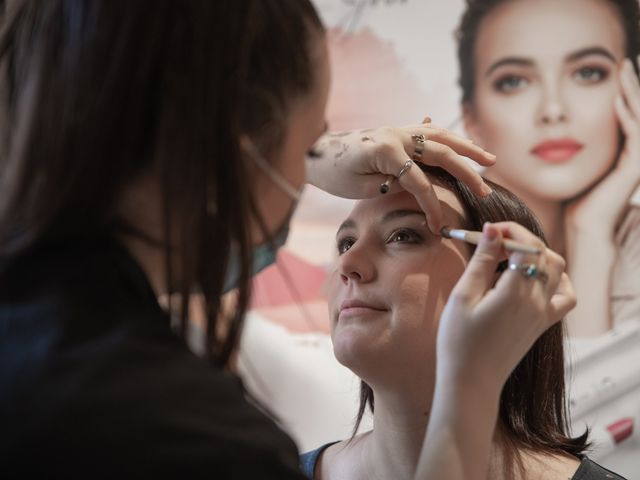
pixel 554 69
pixel 389 260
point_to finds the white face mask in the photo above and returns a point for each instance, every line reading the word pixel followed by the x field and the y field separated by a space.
pixel 265 253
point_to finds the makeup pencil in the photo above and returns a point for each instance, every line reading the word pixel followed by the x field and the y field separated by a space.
pixel 474 238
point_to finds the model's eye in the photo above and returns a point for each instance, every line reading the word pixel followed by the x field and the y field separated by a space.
pixel 404 235
pixel 590 74
pixel 510 83
pixel 345 244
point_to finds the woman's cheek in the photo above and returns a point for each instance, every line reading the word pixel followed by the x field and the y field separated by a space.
pixel 599 128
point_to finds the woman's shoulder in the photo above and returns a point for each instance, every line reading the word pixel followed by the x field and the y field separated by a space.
pixel 342 459
pixel 309 460
pixel 590 470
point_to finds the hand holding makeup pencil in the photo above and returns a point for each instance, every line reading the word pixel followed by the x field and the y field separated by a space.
pixel 486 328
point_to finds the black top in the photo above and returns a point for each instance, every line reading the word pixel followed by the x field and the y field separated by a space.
pixel 588 469
pixel 94 383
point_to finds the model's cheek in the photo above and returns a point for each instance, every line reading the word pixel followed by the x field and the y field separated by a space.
pixel 597 125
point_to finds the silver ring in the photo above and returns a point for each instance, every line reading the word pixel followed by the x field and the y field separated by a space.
pixel 530 270
pixel 419 146
pixel 403 170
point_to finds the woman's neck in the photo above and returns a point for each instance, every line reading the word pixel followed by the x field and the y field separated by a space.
pixel 392 449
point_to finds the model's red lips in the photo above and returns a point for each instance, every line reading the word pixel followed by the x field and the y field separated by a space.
pixel 557 150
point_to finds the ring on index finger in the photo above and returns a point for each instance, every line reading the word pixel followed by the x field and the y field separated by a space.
pixel 530 270
pixel 418 149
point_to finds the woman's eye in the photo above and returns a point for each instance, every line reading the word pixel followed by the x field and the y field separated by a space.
pixel 590 74
pixel 345 244
pixel 404 236
pixel 510 83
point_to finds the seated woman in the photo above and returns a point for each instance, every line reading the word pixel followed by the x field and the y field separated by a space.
pixel 391 284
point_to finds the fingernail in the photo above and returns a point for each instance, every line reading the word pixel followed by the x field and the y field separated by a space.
pixel 489 232
pixel 491 156
pixel 486 190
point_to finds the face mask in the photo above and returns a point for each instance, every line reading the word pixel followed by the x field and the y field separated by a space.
pixel 264 254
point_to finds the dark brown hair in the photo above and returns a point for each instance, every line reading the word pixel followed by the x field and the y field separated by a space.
pixel 533 409
pixel 98 93
pixel 478 10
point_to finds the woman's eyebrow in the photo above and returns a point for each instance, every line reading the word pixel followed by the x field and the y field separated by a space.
pixel 388 217
pixel 584 52
pixel 572 57
pixel 517 61
pixel 348 223
pixel 395 214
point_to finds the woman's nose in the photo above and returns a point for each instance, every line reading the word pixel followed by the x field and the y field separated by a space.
pixel 552 106
pixel 356 265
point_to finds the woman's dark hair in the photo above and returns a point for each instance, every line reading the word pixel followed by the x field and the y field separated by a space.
pixel 533 410
pixel 478 10
pixel 98 93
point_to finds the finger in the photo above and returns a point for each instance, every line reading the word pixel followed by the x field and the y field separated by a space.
pixel 517 279
pixel 627 121
pixel 630 87
pixel 554 269
pixel 417 183
pixel 479 275
pixel 563 301
pixel 444 156
pixel 461 145
pixel 517 232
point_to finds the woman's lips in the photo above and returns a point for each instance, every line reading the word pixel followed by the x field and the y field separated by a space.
pixel 351 307
pixel 558 150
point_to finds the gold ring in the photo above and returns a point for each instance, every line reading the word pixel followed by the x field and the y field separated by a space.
pixel 419 140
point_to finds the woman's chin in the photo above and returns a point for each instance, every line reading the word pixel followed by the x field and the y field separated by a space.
pixel 357 350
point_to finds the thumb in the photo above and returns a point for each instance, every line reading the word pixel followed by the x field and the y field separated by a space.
pixel 479 275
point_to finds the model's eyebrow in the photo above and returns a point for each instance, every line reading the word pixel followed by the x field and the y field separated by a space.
pixel 516 61
pixel 572 57
pixel 584 52
pixel 388 217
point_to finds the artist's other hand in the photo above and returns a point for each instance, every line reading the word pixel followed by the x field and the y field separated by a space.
pixel 599 210
pixel 354 164
pixel 487 326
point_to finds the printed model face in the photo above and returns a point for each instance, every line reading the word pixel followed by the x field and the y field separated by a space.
pixel 391 282
pixel 546 74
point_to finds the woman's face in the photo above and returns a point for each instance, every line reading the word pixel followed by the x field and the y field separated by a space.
pixel 546 73
pixel 305 124
pixel 390 284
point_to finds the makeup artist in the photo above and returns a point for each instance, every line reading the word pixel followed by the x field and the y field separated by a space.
pixel 159 146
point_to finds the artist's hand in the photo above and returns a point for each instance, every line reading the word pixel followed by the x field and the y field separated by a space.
pixel 354 164
pixel 486 329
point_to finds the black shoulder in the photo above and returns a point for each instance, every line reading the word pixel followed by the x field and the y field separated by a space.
pixel 590 470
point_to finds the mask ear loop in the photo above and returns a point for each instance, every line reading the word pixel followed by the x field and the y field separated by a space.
pixel 268 170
